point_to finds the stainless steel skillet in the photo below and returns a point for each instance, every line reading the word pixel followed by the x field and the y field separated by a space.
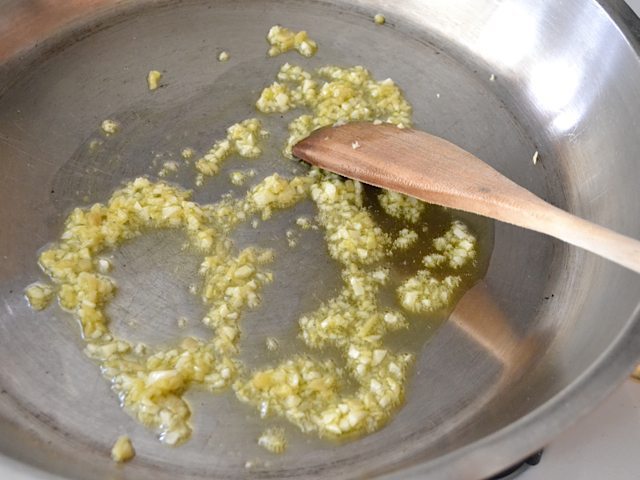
pixel 495 383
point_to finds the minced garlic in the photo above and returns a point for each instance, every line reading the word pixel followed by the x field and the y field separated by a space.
pixel 309 392
pixel 242 138
pixel 315 395
pixel 276 192
pixel 273 439
pixel 110 127
pixel 282 40
pixel 230 285
pixel 379 19
pixel 153 79
pixel 272 344
pixel 292 239
pixel 457 244
pixel 168 167
pixel 304 223
pixel 39 295
pixel 122 450
pixel 223 56
pixel 151 387
pixel 426 291
pixel 187 153
pixel 104 265
pixel 351 232
pixel 238 177
pixel 306 391
pixel 334 95
pixel 405 239
pixel 401 206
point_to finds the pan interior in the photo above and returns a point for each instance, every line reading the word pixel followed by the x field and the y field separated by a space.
pixel 468 379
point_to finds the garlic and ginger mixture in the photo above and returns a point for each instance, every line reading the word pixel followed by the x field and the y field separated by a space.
pixel 355 393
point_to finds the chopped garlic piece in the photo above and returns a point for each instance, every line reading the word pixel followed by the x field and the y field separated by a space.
pixel 39 295
pixel 122 450
pixel 240 177
pixel 110 127
pixel 223 56
pixel 242 138
pixel 187 153
pixel 292 240
pixel 358 240
pixel 405 239
pixel 153 79
pixel 401 206
pixel 535 157
pixel 104 265
pixel 273 439
pixel 276 192
pixel 282 40
pixel 304 223
pixel 353 315
pixel 379 19
pixel 424 293
pixel 458 245
pixel 272 344
pixel 95 144
pixel 434 260
pixel 230 285
pixel 170 166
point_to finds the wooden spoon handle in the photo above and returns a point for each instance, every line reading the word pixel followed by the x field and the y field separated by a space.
pixel 602 241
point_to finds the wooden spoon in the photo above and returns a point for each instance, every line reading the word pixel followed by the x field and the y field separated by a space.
pixel 436 171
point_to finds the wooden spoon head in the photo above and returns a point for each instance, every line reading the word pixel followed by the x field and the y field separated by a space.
pixel 405 160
